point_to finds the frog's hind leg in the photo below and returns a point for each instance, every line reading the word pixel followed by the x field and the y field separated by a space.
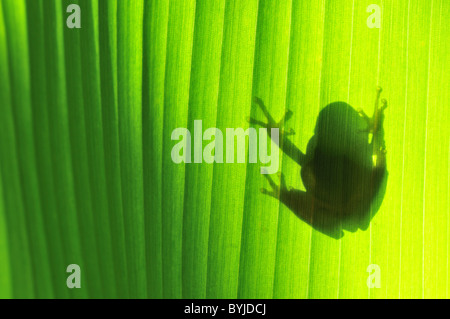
pixel 276 190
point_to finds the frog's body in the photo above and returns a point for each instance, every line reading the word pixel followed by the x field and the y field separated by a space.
pixel 342 171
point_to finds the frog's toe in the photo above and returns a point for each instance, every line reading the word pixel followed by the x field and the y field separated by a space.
pixel 363 114
pixel 284 118
pixel 257 100
pixel 384 104
pixel 271 182
pixel 263 108
pixel 282 180
pixel 256 122
pixel 287 116
pixel 270 193
pixel 288 132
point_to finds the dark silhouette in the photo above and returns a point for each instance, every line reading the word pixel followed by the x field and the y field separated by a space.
pixel 344 173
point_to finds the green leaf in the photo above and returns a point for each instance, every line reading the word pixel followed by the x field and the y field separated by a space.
pixel 87 176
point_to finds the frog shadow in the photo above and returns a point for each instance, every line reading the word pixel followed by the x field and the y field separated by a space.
pixel 343 188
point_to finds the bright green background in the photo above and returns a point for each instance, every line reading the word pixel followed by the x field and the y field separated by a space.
pixel 87 178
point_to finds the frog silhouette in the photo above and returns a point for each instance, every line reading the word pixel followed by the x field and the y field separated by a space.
pixel 344 169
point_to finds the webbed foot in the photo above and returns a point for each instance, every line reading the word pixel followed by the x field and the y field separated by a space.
pixel 271 123
pixel 276 189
